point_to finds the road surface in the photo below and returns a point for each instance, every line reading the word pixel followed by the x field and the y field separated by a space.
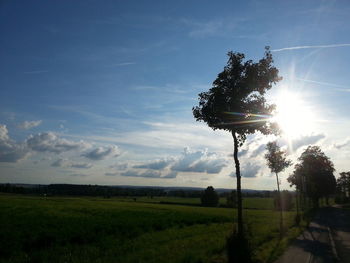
pixel 326 240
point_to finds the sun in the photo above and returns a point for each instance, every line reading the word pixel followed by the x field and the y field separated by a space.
pixel 293 115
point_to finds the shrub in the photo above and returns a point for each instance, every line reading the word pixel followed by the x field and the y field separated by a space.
pixel 210 197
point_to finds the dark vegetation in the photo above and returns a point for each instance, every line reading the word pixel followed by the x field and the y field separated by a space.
pixel 343 188
pixel 236 103
pixel 277 162
pixel 124 191
pixel 313 176
pixel 118 229
pixel 209 197
pixel 46 228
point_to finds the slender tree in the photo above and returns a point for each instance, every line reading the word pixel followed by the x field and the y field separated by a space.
pixel 236 103
pixel 313 175
pixel 277 162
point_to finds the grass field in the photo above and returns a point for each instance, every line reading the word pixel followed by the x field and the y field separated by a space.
pixel 248 203
pixel 59 229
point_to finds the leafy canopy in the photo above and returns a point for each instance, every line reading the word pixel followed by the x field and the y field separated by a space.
pixel 209 197
pixel 276 158
pixel 236 101
pixel 314 173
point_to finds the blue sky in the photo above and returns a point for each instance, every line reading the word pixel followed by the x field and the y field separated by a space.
pixel 102 91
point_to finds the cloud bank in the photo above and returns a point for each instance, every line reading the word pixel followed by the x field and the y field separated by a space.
pixel 10 151
pixel 50 142
pixel 26 125
pixel 101 153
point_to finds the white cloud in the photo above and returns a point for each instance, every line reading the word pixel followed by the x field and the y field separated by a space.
pixel 305 140
pixel 59 163
pixel 343 144
pixel 146 174
pixel 155 165
pixel 81 165
pixel 78 175
pixel 101 153
pixel 10 151
pixel 248 170
pixel 190 161
pixel 199 161
pixel 50 142
pixel 171 174
pixel 311 46
pixel 26 125
pixel 258 151
pixel 66 163
pixel 119 166
pixel 212 28
pixel 3 133
pixel 111 174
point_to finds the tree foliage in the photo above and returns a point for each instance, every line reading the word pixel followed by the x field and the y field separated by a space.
pixel 210 197
pixel 313 175
pixel 343 187
pixel 276 158
pixel 277 162
pixel 236 103
pixel 236 100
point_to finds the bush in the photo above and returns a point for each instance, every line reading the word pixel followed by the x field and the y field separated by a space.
pixel 210 197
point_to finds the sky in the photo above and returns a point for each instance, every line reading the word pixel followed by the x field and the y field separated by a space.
pixel 101 92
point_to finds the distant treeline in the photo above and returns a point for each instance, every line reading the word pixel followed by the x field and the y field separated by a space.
pixel 110 191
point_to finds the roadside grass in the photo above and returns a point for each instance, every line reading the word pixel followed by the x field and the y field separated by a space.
pixel 64 229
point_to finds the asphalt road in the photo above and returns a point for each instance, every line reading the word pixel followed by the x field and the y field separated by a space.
pixel 326 240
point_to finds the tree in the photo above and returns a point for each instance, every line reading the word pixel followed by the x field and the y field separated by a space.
pixel 313 175
pixel 277 162
pixel 236 103
pixel 210 197
pixel 343 187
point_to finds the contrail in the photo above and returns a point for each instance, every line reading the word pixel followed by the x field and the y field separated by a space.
pixel 341 87
pixel 308 47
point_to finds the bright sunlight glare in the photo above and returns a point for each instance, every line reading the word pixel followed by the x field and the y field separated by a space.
pixel 292 114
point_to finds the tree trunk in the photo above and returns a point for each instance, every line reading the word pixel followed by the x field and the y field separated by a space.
pixel 280 201
pixel 239 193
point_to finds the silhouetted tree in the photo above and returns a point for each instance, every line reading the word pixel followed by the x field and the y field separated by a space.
pixel 277 162
pixel 236 103
pixel 313 175
pixel 209 197
pixel 343 187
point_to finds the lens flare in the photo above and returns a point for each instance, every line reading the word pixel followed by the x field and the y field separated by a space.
pixel 292 114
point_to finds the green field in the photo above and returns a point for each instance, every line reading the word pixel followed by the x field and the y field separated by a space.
pixel 59 229
pixel 248 203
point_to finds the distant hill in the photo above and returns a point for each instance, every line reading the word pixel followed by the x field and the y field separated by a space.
pixel 116 190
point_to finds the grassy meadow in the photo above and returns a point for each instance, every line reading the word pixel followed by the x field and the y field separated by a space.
pixel 87 229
